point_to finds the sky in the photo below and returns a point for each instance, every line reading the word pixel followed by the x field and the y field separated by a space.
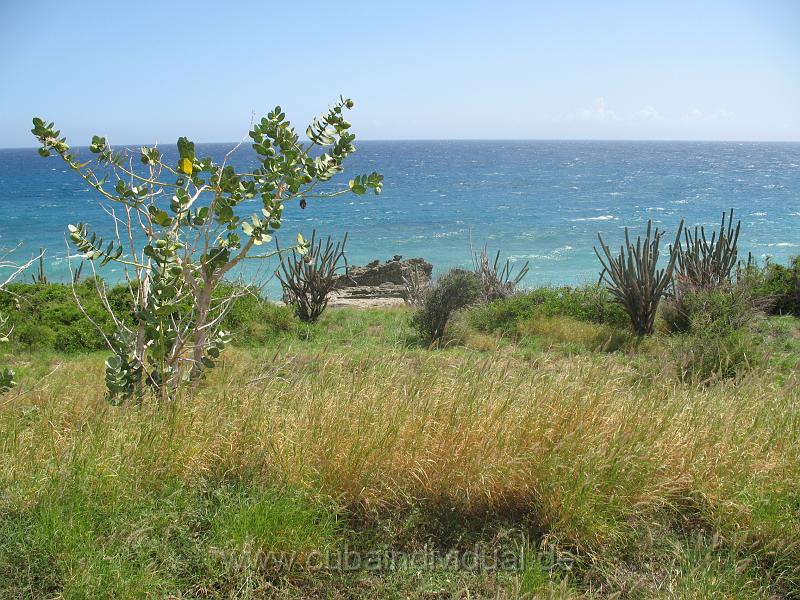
pixel 144 72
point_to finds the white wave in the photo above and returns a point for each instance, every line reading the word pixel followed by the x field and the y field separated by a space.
pixel 554 255
pixel 600 218
pixel 446 234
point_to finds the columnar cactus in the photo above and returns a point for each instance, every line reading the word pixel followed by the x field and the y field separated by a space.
pixel 308 279
pixel 704 263
pixel 634 279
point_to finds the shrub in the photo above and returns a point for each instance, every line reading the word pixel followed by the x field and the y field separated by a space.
pixel 254 320
pixel 722 309
pixel 7 380
pixel 186 246
pixel 45 316
pixel 453 291
pixel 590 303
pixel 34 336
pixel 777 284
pixel 719 338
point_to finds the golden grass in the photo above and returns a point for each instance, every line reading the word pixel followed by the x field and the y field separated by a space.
pixel 584 446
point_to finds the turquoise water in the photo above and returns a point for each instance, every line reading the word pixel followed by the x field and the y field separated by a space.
pixel 538 201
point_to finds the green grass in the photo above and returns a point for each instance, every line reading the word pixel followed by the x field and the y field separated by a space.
pixel 555 437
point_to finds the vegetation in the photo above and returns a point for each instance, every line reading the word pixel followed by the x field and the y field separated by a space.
pixel 453 291
pixel 175 256
pixel 498 281
pixel 7 376
pixel 707 263
pixel 608 473
pixel 47 317
pixel 592 303
pixel 309 277
pixel 720 332
pixel 546 449
pixel 633 277
pixel 777 285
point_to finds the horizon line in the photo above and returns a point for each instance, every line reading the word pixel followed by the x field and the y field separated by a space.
pixel 628 140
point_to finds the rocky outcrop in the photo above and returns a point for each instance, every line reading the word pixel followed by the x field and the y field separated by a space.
pixel 378 283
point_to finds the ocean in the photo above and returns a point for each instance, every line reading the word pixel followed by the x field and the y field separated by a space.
pixel 541 202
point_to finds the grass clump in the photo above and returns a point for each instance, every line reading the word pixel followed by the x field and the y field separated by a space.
pixel 567 333
pixel 590 304
pixel 718 336
pixel 777 285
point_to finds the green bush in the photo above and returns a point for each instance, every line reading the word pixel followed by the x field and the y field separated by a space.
pixel 34 336
pixel 453 291
pixel 779 285
pixel 589 303
pixel 707 355
pixel 722 309
pixel 718 335
pixel 255 320
pixel 46 316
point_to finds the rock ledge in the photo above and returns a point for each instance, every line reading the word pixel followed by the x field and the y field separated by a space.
pixel 377 283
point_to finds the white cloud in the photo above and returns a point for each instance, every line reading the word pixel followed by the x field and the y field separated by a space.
pixel 719 114
pixel 598 112
pixel 648 112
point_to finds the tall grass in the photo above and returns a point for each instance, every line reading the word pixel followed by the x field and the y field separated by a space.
pixel 584 450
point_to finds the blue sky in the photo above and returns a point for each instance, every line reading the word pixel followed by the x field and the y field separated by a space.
pixel 151 71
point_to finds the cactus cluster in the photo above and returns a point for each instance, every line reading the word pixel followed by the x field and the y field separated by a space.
pixel 499 280
pixel 633 276
pixel 706 263
pixel 309 277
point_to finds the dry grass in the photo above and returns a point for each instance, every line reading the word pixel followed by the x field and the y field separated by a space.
pixel 599 456
pixel 582 443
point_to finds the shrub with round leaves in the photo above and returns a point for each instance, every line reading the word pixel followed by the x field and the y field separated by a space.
pixel 180 230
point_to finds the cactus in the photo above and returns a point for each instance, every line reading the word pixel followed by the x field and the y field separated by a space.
pixel 309 278
pixel 703 263
pixel 498 280
pixel 633 277
pixel 41 276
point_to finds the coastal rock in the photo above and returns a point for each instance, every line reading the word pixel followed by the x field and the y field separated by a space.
pixel 377 283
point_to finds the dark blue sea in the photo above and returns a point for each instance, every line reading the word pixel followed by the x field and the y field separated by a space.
pixel 538 201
